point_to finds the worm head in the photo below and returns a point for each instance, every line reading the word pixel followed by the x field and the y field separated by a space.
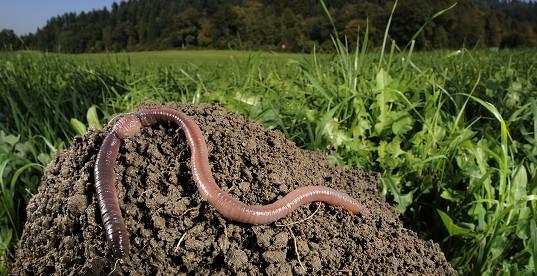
pixel 127 126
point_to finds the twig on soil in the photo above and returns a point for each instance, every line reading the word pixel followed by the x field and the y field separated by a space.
pixel 349 272
pixel 115 267
pixel 142 248
pixel 288 225
pixel 302 220
pixel 150 190
pixel 231 188
pixel 226 237
pixel 190 209
pixel 296 249
pixel 180 241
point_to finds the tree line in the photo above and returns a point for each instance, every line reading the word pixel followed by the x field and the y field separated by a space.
pixel 281 25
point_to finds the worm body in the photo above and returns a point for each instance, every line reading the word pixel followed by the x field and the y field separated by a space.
pixel 114 226
pixel 224 203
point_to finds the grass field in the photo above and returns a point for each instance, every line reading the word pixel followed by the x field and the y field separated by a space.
pixel 169 57
pixel 454 133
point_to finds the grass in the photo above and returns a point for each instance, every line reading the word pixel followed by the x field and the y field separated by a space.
pixel 453 133
pixel 168 57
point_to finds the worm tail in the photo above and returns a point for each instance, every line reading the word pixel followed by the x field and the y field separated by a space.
pixel 116 232
pixel 262 214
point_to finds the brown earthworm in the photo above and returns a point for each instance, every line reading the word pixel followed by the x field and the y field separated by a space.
pixel 224 203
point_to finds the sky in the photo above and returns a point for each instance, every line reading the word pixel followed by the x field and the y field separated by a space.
pixel 25 16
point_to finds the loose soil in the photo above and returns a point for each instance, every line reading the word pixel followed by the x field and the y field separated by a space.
pixel 174 232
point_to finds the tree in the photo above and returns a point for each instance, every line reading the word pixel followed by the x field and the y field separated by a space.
pixel 440 38
pixel 408 19
pixel 249 27
pixel 284 25
pixel 289 30
pixel 494 30
pixel 9 40
pixel 206 33
pixel 185 28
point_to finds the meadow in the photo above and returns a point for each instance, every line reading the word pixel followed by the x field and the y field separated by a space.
pixel 453 133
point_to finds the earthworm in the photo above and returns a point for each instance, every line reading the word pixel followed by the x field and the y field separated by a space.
pixel 223 202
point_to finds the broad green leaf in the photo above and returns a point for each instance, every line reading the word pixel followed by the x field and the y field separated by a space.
pixel 382 99
pixel 247 99
pixel 402 125
pixel 23 149
pixel 498 245
pixel 404 200
pixel 394 148
pixel 388 153
pixel 515 86
pixel 19 171
pixel 519 184
pixel 327 125
pixel 478 212
pixel 534 112
pixel 93 118
pixel 452 228
pixel 6 234
pixel 450 195
pixel 504 135
pixel 43 158
pixel 382 122
pixel 3 169
pixel 340 137
pixel 533 247
pixel 523 223
pixel 480 153
pixel 387 96
pixel 78 126
pixel 382 119
pixel 361 129
pixel 362 118
pixel 392 184
pixel 9 139
pixel 311 115
pixel 453 54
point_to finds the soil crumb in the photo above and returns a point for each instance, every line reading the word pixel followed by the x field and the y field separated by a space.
pixel 174 232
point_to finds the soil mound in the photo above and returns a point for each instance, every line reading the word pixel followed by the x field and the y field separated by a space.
pixel 174 232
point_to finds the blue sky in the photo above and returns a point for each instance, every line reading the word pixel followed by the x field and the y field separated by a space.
pixel 24 16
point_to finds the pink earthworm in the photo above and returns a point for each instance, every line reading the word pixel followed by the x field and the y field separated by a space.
pixel 223 202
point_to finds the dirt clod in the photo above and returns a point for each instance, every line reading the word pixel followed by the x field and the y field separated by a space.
pixel 174 232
